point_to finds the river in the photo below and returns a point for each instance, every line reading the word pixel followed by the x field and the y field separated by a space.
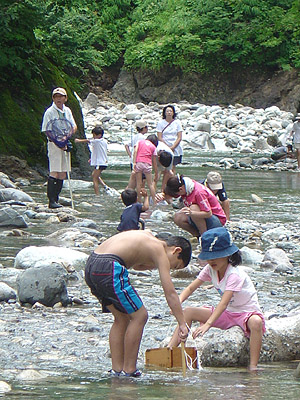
pixel 83 380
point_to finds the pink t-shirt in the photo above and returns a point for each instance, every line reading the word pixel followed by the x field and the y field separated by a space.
pixel 206 200
pixel 145 150
pixel 244 298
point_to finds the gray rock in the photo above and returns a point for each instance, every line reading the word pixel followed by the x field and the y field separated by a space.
pixel 6 182
pixel 261 144
pixel 91 101
pixel 45 284
pixel 276 259
pixel 14 194
pixel 85 223
pixel 6 292
pixel 232 140
pixel 10 217
pixel 32 255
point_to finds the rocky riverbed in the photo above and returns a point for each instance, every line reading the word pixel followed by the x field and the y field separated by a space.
pixel 43 342
pixel 250 133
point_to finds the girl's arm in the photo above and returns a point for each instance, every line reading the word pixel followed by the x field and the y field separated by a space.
pixel 215 315
pixel 189 290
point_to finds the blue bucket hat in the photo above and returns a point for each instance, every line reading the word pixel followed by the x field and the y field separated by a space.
pixel 216 243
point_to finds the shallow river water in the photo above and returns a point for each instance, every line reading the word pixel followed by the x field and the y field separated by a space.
pixel 280 192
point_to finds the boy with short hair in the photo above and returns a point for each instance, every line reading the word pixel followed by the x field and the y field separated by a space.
pixel 130 217
pixel 107 276
pixel 98 156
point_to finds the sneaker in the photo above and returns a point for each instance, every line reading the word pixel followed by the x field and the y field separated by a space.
pixel 134 374
pixel 112 372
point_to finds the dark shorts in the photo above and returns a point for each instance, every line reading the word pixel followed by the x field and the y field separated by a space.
pixel 101 167
pixel 177 160
pixel 108 280
pixel 211 222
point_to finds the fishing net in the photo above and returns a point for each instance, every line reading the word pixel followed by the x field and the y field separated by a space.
pixel 59 131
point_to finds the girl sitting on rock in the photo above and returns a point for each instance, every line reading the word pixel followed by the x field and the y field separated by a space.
pixel 239 303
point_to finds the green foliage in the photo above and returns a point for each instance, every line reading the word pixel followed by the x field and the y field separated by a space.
pixel 85 36
pixel 213 35
pixel 19 50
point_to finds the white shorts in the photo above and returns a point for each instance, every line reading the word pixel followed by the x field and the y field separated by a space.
pixel 58 159
pixel 296 145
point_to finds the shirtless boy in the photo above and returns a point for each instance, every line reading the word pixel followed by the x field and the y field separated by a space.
pixel 107 276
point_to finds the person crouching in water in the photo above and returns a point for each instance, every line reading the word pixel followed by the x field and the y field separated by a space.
pixel 201 210
pixel 239 303
pixel 130 218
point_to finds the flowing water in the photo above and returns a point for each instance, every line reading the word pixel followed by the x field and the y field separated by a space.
pixel 280 192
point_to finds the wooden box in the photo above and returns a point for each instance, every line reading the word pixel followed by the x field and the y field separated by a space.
pixel 164 357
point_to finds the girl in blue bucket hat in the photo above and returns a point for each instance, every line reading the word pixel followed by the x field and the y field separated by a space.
pixel 239 303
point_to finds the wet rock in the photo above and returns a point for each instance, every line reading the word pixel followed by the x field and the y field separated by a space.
pixel 86 223
pixel 4 387
pixel 71 237
pixel 31 375
pixel 10 217
pixel 191 271
pixel 14 194
pixel 256 199
pixel 276 259
pixel 251 256
pixel 6 182
pixel 6 292
pixel 45 284
pixel 32 255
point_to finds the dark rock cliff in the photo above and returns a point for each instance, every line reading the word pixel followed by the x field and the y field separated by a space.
pixel 250 87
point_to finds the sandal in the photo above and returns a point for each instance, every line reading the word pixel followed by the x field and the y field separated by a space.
pixel 134 374
pixel 112 372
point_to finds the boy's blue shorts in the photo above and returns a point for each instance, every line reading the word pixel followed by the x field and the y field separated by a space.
pixel 108 280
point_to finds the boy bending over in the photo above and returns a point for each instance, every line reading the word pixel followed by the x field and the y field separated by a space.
pixel 107 276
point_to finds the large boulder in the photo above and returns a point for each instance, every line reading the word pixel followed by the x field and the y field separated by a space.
pixel 45 284
pixel 33 256
pixel 14 194
pixel 220 348
pixel 10 217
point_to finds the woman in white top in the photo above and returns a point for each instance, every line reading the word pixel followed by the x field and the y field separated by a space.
pixel 169 131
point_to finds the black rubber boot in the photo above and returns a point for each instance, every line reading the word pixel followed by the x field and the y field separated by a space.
pixel 59 185
pixel 51 192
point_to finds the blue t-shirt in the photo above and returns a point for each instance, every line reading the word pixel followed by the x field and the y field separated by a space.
pixel 130 217
pixel 221 193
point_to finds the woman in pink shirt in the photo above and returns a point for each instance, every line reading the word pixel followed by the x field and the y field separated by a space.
pixel 143 158
pixel 202 210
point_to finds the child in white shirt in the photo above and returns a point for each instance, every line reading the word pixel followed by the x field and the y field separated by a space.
pixel 98 147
